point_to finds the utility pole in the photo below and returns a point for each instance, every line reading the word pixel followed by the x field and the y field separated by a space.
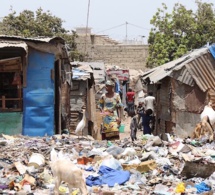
pixel 88 12
pixel 126 32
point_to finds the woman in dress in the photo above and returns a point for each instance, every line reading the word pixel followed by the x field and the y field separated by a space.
pixel 110 106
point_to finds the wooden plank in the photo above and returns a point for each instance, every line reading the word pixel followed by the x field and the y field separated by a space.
pixel 3 102
pixel 10 110
pixel 11 68
pixel 19 96
pixel 9 61
pixel 6 99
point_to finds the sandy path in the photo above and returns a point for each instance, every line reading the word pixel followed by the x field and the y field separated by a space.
pixel 126 133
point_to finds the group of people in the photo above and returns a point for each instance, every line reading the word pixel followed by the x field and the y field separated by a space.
pixel 144 116
pixel 110 105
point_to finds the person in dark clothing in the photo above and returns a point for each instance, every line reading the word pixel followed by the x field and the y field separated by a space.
pixel 133 127
pixel 147 119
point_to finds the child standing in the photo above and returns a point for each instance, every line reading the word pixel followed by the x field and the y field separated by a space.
pixel 133 127
pixel 147 118
pixel 140 110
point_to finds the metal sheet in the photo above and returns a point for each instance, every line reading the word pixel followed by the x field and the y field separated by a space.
pixel 202 70
pixel 167 69
pixel 38 97
pixel 81 70
pixel 34 39
pixel 78 74
pixel 7 43
pixel 184 76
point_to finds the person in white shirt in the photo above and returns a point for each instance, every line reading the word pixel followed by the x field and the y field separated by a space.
pixel 149 102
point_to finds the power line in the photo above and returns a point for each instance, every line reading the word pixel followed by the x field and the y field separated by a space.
pixel 124 24
pixel 111 28
pixel 138 26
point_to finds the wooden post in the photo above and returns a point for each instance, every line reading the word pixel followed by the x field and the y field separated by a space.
pixel 3 102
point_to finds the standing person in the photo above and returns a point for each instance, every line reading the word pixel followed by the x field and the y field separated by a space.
pixel 147 118
pixel 110 106
pixel 133 127
pixel 149 102
pixel 130 97
pixel 140 110
pixel 117 88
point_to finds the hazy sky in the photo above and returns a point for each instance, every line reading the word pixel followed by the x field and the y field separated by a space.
pixel 103 14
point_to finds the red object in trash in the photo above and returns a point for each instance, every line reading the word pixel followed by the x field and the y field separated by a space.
pixel 84 160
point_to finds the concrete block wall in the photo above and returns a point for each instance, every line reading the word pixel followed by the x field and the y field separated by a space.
pixel 125 56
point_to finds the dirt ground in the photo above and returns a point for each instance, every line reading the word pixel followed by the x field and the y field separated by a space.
pixel 126 121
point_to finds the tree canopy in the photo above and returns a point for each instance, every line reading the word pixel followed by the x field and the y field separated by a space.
pixel 180 31
pixel 38 24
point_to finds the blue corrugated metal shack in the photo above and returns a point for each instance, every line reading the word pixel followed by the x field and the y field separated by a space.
pixel 34 86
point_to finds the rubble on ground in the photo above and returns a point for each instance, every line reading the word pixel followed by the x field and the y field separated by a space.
pixel 147 166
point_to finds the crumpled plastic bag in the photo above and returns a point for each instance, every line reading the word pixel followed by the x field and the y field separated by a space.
pixel 112 163
pixel 202 187
pixel 136 177
pixel 161 189
pixel 115 150
pixel 180 188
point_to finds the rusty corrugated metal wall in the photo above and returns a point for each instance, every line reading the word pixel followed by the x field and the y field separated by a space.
pixel 188 103
pixel 65 81
pixel 211 97
pixel 65 94
pixel 78 97
pixel 178 107
pixel 162 95
pixel 182 93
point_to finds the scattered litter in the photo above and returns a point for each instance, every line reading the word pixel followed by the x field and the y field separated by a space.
pixel 148 165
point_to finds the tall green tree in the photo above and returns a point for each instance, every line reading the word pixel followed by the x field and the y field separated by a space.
pixel 175 33
pixel 39 24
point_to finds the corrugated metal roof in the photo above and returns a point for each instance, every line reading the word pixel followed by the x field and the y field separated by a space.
pixel 165 70
pixel 202 70
pixel 183 76
pixel 196 66
pixel 21 44
pixel 98 69
pixel 81 71
pixel 34 39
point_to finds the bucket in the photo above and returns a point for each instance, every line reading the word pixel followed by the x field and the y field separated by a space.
pixel 121 128
pixel 36 160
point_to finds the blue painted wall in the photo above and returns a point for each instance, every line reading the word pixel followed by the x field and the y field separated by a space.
pixel 38 96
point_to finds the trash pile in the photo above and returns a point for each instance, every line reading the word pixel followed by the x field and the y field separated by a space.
pixel 150 165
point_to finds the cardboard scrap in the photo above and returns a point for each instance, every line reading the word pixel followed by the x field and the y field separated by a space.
pixel 142 167
pixel 8 137
pixel 29 179
pixel 17 186
pixel 20 167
